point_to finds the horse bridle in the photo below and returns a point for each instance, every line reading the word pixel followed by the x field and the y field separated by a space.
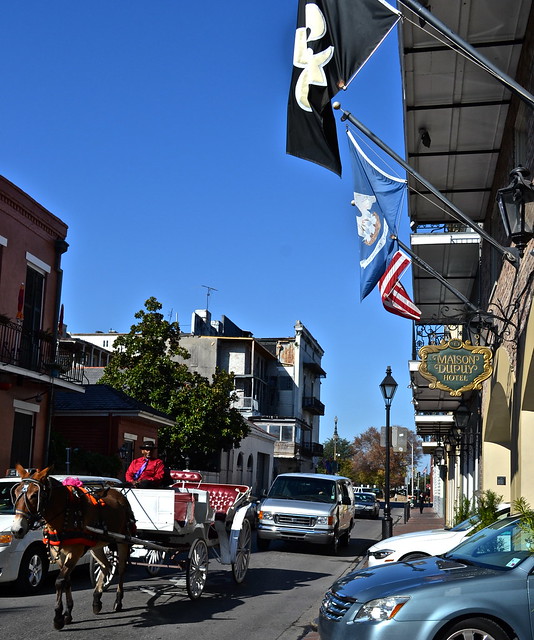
pixel 34 518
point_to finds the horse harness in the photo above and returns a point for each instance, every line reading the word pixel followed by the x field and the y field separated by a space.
pixel 74 532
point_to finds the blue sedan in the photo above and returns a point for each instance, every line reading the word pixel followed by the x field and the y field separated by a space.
pixel 483 589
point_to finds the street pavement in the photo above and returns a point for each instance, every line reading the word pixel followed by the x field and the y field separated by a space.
pixel 417 521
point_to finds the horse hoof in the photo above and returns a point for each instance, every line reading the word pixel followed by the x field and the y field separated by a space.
pixel 117 607
pixel 68 619
pixel 97 608
pixel 59 623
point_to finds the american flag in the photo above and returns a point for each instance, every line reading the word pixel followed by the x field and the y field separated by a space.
pixel 394 296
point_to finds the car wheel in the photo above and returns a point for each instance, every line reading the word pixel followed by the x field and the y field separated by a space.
pixel 414 556
pixel 262 544
pixel 333 545
pixel 475 629
pixel 32 571
pixel 344 538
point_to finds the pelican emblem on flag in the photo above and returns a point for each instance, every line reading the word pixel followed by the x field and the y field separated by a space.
pixel 369 222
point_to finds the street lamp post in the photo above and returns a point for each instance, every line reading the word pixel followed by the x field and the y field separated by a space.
pixel 335 440
pixel 388 387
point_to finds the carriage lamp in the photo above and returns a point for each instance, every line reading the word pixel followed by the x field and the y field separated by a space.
pixel 512 200
pixel 462 416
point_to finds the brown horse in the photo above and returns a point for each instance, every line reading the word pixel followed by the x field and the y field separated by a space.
pixel 66 512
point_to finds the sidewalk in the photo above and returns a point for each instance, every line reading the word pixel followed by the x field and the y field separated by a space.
pixel 418 521
pixel 429 519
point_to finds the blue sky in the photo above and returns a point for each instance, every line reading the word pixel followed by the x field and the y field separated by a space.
pixel 156 131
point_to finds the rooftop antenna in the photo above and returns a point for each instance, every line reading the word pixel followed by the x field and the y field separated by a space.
pixel 208 294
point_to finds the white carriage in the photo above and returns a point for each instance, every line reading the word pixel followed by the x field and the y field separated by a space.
pixel 182 525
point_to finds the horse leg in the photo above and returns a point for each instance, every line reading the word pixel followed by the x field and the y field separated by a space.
pixel 100 556
pixel 123 551
pixel 59 620
pixel 67 560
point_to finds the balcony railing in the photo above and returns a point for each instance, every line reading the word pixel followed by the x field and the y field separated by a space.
pixel 37 351
pixel 311 404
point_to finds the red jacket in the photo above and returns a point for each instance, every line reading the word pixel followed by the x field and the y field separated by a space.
pixel 154 470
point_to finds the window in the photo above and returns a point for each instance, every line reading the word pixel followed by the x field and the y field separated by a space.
pixel 240 462
pixel 287 434
pixel 274 430
pixel 22 442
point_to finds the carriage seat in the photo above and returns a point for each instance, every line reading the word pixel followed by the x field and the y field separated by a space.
pixel 223 497
pixel 183 477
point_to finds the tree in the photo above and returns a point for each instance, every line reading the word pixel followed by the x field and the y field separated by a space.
pixel 145 366
pixel 369 458
pixel 344 453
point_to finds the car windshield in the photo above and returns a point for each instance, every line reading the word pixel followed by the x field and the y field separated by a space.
pixel 6 506
pixel 364 497
pixel 307 489
pixel 465 525
pixel 502 545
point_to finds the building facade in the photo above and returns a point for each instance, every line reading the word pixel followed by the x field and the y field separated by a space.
pixel 465 132
pixel 32 365
pixel 277 381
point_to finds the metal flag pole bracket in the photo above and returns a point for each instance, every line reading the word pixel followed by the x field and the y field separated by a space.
pixel 508 253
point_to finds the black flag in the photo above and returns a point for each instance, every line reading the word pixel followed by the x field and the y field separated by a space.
pixel 333 40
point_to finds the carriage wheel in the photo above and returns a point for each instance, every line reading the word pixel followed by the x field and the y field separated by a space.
pixel 154 560
pixel 95 569
pixel 240 566
pixel 196 571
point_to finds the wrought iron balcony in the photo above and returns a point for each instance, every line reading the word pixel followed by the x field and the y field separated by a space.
pixel 37 351
pixel 313 405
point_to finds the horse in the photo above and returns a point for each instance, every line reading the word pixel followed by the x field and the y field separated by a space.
pixel 67 512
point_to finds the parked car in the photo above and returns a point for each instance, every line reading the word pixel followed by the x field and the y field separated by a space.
pixel 479 589
pixel 24 561
pixel 310 507
pixel 419 544
pixel 366 505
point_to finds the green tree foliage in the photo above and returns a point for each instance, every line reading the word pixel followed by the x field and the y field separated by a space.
pixel 343 457
pixel 368 461
pixel 146 366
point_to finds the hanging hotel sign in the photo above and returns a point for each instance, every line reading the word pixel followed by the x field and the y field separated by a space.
pixel 455 366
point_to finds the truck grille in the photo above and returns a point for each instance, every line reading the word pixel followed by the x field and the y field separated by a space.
pixel 334 607
pixel 297 521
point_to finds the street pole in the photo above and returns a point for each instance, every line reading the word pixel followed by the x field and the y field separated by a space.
pixel 335 439
pixel 387 522
pixel 388 387
pixel 412 470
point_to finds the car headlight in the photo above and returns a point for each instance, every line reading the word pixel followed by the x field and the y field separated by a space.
pixel 265 515
pixel 380 609
pixel 381 553
pixel 5 538
pixel 328 520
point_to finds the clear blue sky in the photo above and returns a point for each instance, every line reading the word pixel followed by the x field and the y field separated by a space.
pixel 156 131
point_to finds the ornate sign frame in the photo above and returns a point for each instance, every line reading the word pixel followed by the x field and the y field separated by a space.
pixel 455 366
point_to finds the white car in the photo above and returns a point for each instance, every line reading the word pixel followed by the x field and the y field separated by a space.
pixel 419 544
pixel 25 562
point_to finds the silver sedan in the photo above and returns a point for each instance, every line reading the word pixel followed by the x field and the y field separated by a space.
pixel 480 590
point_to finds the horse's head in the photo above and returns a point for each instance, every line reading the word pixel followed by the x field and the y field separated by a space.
pixel 29 497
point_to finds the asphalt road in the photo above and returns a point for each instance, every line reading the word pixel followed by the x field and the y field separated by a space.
pixel 279 599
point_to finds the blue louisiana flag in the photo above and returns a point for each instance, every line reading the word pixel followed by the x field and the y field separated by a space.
pixel 379 199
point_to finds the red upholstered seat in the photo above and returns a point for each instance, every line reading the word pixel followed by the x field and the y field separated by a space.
pixel 186 476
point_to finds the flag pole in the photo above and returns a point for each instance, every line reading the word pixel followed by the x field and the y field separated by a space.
pixel 459 216
pixel 472 53
pixel 426 267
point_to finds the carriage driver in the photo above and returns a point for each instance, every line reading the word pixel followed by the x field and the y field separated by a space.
pixel 146 472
